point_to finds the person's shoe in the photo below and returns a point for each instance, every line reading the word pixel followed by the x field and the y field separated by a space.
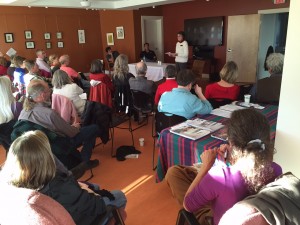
pixel 91 164
pixel 79 170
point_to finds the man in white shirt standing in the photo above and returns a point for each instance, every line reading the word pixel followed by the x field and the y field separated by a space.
pixel 182 52
pixel 43 66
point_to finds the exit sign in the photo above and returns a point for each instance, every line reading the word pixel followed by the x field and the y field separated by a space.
pixel 279 1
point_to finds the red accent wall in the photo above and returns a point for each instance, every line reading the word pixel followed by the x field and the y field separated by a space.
pixel 175 14
pixel 41 20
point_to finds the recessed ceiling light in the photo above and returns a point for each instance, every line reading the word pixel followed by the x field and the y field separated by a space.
pixel 153 7
pixel 29 6
pixel 46 7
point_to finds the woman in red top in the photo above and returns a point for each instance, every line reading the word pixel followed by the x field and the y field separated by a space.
pixel 225 88
pixel 97 74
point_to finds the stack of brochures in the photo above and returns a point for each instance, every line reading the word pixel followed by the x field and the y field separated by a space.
pixel 196 128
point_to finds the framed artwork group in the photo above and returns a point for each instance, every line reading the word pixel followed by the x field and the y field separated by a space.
pixel 120 35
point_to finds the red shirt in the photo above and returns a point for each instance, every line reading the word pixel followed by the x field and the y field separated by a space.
pixel 3 70
pixel 103 78
pixel 168 85
pixel 216 91
pixel 70 71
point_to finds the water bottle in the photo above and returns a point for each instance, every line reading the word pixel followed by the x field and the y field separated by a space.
pixel 144 58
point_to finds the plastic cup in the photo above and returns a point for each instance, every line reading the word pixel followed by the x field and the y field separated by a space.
pixel 159 62
pixel 142 142
pixel 247 99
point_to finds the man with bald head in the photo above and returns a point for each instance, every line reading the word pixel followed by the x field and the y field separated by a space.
pixel 140 82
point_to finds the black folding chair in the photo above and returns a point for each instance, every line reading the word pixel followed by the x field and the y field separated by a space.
pixel 142 106
pixel 160 122
pixel 186 218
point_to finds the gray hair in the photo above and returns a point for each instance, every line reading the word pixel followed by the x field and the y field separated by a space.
pixel 60 78
pixel 275 62
pixel 170 71
pixel 141 69
pixel 64 59
pixel 34 90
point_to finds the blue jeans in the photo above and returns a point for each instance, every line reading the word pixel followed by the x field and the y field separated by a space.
pixel 119 202
pixel 86 137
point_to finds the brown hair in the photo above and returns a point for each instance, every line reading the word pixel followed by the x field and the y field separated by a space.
pixel 185 77
pixel 249 136
pixel 229 72
pixel 30 163
pixel 3 61
pixel 18 61
pixel 96 66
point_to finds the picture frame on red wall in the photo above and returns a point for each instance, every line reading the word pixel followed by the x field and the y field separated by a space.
pixel 9 37
pixel 28 34
pixel 30 44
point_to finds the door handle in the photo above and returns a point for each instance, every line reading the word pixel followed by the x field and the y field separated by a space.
pixel 229 50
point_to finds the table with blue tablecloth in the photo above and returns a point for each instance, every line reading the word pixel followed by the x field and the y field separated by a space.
pixel 177 150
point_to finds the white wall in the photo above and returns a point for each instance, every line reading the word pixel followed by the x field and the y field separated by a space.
pixel 266 38
pixel 288 123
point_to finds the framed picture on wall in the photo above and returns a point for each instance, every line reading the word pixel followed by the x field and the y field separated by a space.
pixel 60 44
pixel 110 38
pixel 48 45
pixel 47 36
pixel 29 44
pixel 28 34
pixel 59 35
pixel 120 32
pixel 9 37
pixel 81 36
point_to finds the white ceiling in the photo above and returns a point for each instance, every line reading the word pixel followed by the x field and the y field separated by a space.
pixel 95 4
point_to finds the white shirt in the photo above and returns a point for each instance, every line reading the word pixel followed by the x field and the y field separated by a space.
pixel 72 91
pixel 182 50
pixel 27 78
pixel 43 65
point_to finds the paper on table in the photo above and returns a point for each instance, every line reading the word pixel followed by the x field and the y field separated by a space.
pixel 11 52
pixel 205 124
pixel 83 96
pixel 231 107
pixel 222 113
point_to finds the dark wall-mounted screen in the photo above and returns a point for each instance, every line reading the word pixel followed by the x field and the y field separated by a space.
pixel 204 31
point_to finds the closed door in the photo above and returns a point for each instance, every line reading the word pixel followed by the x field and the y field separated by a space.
pixel 152 33
pixel 242 45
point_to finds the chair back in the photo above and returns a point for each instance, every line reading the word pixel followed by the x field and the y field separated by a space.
pixel 217 102
pixel 101 93
pixel 198 66
pixel 5 132
pixel 29 207
pixel 65 108
pixel 141 100
pixel 268 90
pixel 163 121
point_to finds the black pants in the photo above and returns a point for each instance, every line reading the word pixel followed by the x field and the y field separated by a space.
pixel 180 66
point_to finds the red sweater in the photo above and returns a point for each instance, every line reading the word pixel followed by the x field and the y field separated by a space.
pixel 168 85
pixel 103 78
pixel 216 91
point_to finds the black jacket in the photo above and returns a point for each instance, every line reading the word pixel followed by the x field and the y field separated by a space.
pixel 99 114
pixel 84 207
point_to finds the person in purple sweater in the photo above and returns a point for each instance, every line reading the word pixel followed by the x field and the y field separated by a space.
pixel 212 190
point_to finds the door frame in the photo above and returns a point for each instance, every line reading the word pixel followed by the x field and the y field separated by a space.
pixel 160 19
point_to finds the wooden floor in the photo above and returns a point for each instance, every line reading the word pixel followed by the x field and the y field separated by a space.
pixel 149 203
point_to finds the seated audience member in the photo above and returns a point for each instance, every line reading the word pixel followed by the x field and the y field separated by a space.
pixel 54 63
pixel 111 57
pixel 148 55
pixel 3 66
pixel 180 101
pixel 140 82
pixel 11 68
pixel 225 88
pixel 274 63
pixel 33 73
pixel 96 73
pixel 63 85
pixel 214 189
pixel 9 111
pixel 168 85
pixel 121 76
pixel 64 60
pixel 36 110
pixel 42 64
pixel 19 74
pixel 31 164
